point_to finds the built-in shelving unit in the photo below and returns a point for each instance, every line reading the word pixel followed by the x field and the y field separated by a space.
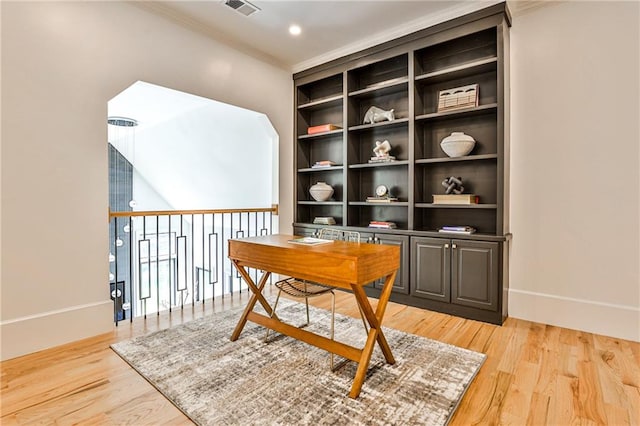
pixel 406 75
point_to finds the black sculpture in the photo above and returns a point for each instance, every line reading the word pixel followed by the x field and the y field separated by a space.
pixel 453 185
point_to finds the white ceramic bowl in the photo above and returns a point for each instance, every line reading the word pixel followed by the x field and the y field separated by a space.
pixel 457 144
pixel 321 191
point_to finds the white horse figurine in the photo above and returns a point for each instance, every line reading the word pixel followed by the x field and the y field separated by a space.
pixel 375 114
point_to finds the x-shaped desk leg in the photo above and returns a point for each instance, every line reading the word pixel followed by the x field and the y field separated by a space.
pixel 375 331
pixel 256 297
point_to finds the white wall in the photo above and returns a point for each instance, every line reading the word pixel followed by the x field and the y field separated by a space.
pixel 199 153
pixel 575 189
pixel 204 160
pixel 146 196
pixel 61 63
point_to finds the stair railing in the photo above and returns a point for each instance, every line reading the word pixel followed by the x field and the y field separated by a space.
pixel 164 260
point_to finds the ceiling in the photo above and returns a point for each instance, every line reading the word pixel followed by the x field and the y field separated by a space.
pixel 149 104
pixel 330 29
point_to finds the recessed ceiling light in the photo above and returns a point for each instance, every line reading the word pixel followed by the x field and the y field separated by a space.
pixel 295 30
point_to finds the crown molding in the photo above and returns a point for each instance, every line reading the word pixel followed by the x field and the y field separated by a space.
pixel 522 7
pixel 396 32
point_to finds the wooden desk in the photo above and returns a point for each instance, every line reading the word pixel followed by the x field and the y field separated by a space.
pixel 341 264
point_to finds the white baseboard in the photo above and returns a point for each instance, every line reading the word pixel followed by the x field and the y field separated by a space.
pixel 618 321
pixel 21 336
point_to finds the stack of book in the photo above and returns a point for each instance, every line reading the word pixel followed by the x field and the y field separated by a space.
pixel 455 199
pixel 381 199
pixel 322 128
pixel 324 220
pixel 382 224
pixel 382 159
pixel 323 163
pixel 468 230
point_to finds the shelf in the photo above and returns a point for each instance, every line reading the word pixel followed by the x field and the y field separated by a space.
pixel 385 164
pixel 322 103
pixel 455 159
pixel 383 88
pixel 455 206
pixel 319 135
pixel 459 71
pixel 320 169
pixel 482 109
pixel 320 203
pixel 393 123
pixel 475 236
pixel 418 232
pixel 374 204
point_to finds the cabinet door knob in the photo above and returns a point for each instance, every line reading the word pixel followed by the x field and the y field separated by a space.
pixel 446 245
pixel 454 246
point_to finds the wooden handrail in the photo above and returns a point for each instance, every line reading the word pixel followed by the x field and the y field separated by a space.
pixel 273 209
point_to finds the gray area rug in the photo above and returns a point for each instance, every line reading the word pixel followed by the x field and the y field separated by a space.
pixel 286 382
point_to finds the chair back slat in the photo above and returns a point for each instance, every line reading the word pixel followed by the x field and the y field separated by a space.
pixel 338 234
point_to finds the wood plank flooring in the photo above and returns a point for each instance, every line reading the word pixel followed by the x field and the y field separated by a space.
pixel 535 374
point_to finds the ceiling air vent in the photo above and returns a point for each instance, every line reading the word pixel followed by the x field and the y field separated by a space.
pixel 242 6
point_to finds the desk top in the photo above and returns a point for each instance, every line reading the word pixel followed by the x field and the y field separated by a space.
pixel 339 263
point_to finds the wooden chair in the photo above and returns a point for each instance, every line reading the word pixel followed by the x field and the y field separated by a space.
pixel 303 289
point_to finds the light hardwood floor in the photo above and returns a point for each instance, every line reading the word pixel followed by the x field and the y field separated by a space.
pixel 534 373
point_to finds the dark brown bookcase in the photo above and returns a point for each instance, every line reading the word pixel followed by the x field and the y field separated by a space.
pixel 407 75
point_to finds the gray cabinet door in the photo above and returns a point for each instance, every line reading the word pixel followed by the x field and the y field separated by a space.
pixel 401 283
pixel 474 277
pixel 430 268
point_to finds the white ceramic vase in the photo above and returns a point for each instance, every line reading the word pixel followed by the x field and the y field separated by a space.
pixel 457 144
pixel 321 191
